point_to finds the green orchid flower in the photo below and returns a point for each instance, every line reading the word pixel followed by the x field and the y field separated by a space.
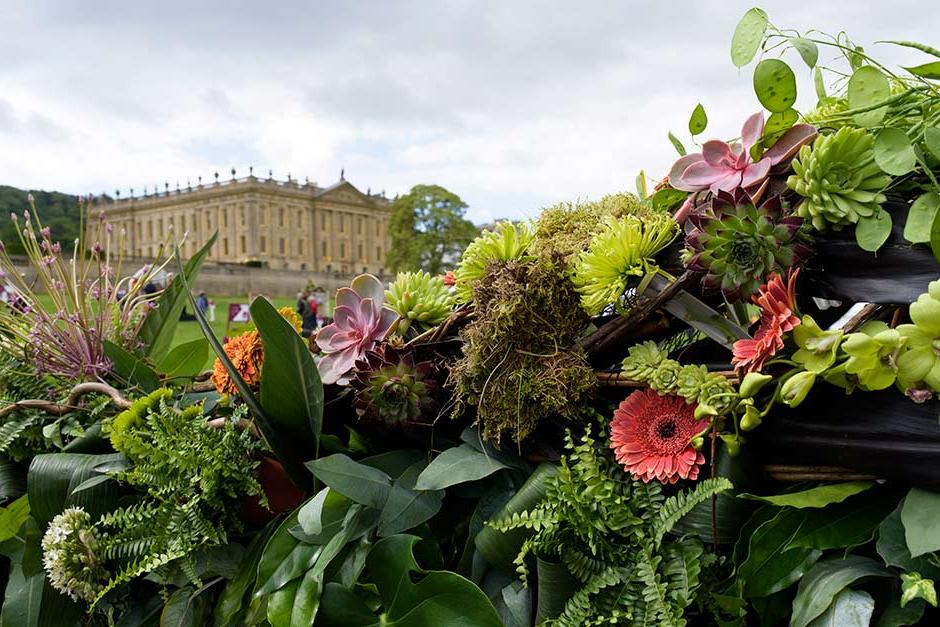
pixel 818 348
pixel 873 354
pixel 919 361
pixel 795 389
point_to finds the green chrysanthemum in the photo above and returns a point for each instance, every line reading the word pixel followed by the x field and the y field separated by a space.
pixel 919 362
pixel 625 248
pixel 838 179
pixel 507 242
pixel 421 300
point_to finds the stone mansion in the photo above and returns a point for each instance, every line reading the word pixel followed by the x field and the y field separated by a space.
pixel 280 225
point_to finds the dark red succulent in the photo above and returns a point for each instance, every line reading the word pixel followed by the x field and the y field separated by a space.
pixel 389 386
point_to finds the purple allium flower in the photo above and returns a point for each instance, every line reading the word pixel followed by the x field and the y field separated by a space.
pixel 45 232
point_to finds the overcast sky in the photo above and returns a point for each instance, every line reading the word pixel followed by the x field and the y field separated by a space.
pixel 512 105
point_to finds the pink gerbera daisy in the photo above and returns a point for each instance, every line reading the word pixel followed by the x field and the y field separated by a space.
pixel 652 434
pixel 777 303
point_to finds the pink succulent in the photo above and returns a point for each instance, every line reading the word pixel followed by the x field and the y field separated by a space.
pixel 359 323
pixel 726 167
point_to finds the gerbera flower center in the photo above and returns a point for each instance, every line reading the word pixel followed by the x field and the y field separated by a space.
pixel 666 429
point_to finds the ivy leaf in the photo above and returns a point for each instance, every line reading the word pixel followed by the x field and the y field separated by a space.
pixel 747 37
pixel 807 49
pixel 914 586
pixel 921 217
pixel 677 144
pixel 927 70
pixel 698 121
pixel 775 85
pixel 826 580
pixel 867 87
pixel 871 233
pixel 894 152
pixel 819 496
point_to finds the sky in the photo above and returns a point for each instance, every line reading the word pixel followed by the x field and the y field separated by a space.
pixel 513 105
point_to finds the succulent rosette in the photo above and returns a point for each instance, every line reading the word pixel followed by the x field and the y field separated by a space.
pixel 391 387
pixel 420 300
pixel 919 362
pixel 360 321
pixel 738 246
pixel 838 179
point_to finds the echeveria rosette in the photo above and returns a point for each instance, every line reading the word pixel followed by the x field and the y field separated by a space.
pixel 623 249
pixel 817 348
pixel 642 360
pixel 738 246
pixel 390 387
pixel 420 300
pixel 506 242
pixel 726 167
pixel 838 179
pixel 873 354
pixel 919 361
pixel 360 321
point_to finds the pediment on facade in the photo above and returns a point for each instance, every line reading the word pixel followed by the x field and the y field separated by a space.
pixel 346 193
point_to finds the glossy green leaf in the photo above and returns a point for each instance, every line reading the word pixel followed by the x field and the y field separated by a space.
pixel 820 496
pixel 778 124
pixel 769 566
pixel 867 87
pixel 310 514
pixel 871 233
pixel 825 580
pixel 185 360
pixel 361 483
pixel 667 198
pixel 394 463
pixel 919 515
pixel 409 506
pixel 892 547
pixel 677 144
pixel 808 50
pixel 291 391
pixel 131 368
pixel 284 559
pixel 232 598
pixel 555 586
pixel 819 84
pixel 775 85
pixel 698 120
pixel 747 37
pixel 932 141
pixel 927 70
pixel 843 525
pixel 12 517
pixel 457 465
pixel 894 152
pixel 920 218
pixel 12 479
pixel 849 608
pixel 185 608
pixel 53 478
pixel 160 324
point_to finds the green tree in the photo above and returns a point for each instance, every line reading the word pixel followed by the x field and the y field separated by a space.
pixel 428 230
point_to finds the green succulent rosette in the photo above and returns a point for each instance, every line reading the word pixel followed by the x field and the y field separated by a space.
pixel 838 179
pixel 642 360
pixel 421 300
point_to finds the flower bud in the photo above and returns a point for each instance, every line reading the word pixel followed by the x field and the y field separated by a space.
pixel 733 442
pixel 750 419
pixel 698 442
pixel 704 410
pixel 752 383
pixel 797 387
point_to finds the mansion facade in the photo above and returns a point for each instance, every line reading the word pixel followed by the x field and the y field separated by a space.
pixel 282 225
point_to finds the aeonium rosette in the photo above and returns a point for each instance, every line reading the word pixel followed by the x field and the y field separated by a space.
pixel 360 321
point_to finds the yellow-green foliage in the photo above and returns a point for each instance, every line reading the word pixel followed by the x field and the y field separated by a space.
pixel 507 242
pixel 121 428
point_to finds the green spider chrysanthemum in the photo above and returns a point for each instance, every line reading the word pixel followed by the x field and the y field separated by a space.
pixel 838 179
pixel 623 249
pixel 507 242
pixel 421 300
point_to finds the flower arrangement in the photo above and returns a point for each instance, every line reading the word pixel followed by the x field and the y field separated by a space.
pixel 703 403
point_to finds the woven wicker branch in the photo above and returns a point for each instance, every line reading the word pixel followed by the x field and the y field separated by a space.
pixel 71 401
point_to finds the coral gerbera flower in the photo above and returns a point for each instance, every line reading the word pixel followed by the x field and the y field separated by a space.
pixel 777 303
pixel 652 434
pixel 246 353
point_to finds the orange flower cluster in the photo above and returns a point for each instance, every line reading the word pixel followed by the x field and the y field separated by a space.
pixel 247 355
pixel 777 301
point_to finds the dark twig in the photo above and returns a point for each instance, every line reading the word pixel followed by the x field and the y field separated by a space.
pixel 71 401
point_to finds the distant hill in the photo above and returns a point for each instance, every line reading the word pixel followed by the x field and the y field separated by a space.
pixel 58 211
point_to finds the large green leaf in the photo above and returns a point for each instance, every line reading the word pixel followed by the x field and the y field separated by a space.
pixel 185 360
pixel 12 479
pixel 843 525
pixel 556 586
pixel 892 547
pixel 361 483
pixel 53 478
pixel 186 607
pixel 291 391
pixel 921 217
pixel 232 598
pixel 820 496
pixel 457 465
pixel 850 608
pixel 775 85
pixel 747 37
pixel 12 517
pixel 284 559
pixel 769 566
pixel 826 580
pixel 927 70
pixel 408 507
pixel 919 514
pixel 160 325
pixel 131 368
pixel 868 87
pixel 894 152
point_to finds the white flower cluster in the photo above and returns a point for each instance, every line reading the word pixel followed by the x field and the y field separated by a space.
pixel 69 555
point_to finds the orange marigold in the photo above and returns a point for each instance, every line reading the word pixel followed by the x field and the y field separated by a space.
pixel 247 355
pixel 291 315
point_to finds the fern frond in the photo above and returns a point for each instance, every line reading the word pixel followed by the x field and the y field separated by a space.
pixel 682 503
